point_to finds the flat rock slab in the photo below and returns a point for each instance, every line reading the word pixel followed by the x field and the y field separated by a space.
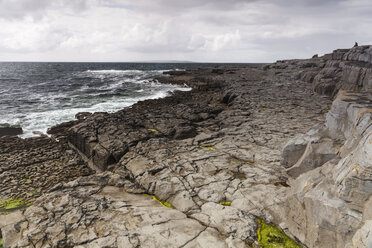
pixel 98 211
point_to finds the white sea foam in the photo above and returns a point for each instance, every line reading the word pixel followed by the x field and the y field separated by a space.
pixel 56 98
pixel 125 72
pixel 112 85
pixel 39 122
pixel 114 71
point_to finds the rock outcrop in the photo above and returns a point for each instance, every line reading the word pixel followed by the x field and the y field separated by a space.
pixel 331 201
pixel 347 69
pixel 331 186
pixel 203 168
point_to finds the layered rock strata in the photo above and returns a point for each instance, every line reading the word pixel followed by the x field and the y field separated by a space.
pixel 331 165
pixel 332 199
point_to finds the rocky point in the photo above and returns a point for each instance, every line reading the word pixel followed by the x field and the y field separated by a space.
pixel 287 144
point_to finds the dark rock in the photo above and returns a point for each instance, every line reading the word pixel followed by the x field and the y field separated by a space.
pixel 218 71
pixel 228 97
pixel 10 131
pixel 60 130
pixel 82 115
pixel 29 167
pixel 175 73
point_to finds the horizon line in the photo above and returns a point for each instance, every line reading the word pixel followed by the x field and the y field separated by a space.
pixel 155 61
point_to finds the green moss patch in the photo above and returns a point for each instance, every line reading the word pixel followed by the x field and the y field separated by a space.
pixel 1 243
pixel 33 192
pixel 208 147
pixel 225 203
pixel 164 203
pixel 12 204
pixel 272 237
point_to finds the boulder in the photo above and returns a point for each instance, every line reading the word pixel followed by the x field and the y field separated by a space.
pixel 315 155
pixel 295 148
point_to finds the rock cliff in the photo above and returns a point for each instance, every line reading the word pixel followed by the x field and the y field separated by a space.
pixel 331 165
pixel 206 168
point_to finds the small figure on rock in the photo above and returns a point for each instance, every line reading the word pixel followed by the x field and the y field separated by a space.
pixel 356 44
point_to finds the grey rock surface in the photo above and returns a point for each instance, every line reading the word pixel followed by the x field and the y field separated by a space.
pixel 197 169
pixel 329 201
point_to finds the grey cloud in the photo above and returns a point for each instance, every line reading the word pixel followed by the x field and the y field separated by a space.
pixel 200 30
pixel 18 9
pixel 182 5
pixel 47 39
pixel 178 6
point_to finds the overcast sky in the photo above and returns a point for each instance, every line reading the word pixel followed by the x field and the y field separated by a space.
pixel 193 30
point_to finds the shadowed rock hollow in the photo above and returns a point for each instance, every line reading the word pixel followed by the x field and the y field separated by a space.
pixel 246 144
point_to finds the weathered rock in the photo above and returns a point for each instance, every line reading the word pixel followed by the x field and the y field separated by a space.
pixel 363 237
pixel 350 118
pixel 211 163
pixel 296 147
pixel 30 167
pixel 348 69
pixel 315 155
pixel 328 202
pixel 78 213
pixel 104 138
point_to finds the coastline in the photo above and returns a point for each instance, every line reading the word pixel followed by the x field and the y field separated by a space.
pixel 221 142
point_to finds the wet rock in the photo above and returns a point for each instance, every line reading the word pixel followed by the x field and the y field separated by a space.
pixel 82 115
pixel 10 131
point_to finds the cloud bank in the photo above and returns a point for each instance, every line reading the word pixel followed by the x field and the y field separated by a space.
pixel 196 30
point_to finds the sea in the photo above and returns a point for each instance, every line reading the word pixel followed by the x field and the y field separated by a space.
pixel 36 96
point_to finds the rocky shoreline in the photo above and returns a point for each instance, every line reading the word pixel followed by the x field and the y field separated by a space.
pixel 288 144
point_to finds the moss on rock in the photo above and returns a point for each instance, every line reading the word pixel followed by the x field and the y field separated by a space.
pixel 164 203
pixel 12 204
pixel 208 147
pixel 272 237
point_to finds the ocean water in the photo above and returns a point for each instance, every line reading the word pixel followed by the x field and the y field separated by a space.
pixel 37 96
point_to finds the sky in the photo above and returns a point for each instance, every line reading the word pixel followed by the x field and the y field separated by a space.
pixel 187 30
